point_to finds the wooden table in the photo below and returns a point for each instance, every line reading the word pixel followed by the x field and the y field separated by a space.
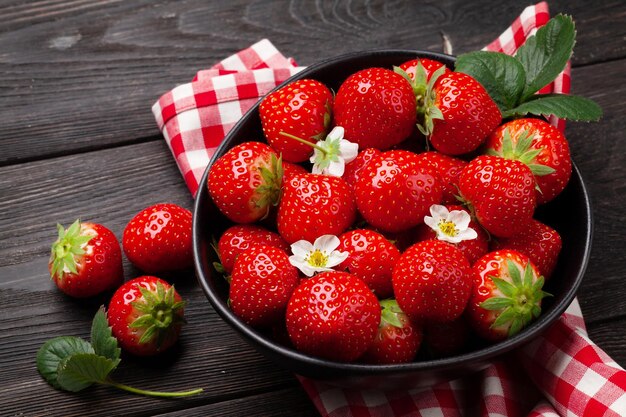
pixel 78 140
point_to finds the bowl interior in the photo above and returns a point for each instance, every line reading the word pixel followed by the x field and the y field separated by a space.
pixel 569 214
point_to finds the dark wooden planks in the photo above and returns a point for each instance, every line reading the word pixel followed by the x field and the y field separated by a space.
pixel 83 75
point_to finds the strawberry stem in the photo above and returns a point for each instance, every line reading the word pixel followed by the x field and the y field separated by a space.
pixel 306 142
pixel 176 394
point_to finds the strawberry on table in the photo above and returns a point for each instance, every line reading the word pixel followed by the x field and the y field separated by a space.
pixel 376 107
pixel 301 108
pixel 158 239
pixel 313 205
pixel 540 242
pixel 240 237
pixel 506 295
pixel 395 190
pixel 500 193
pixel 261 284
pixel 333 315
pixel 432 281
pixel 245 182
pixel 146 315
pixel 85 260
pixel 371 258
pixel 539 145
pixel 398 339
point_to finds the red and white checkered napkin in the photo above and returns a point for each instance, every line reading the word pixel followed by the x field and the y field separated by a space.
pixel 562 373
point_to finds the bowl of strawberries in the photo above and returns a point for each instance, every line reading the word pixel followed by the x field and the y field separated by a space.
pixel 381 220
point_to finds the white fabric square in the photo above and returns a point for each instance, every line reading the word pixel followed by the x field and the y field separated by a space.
pixel 189 120
pixel 224 81
pixel 230 111
pixel 333 399
pixel 182 91
pixel 197 159
pixel 619 406
pixel 374 398
pixel 265 49
pixel 591 382
pixel 432 412
pixel 493 386
pixel 558 363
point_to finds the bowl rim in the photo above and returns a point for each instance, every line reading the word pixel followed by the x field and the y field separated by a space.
pixel 439 364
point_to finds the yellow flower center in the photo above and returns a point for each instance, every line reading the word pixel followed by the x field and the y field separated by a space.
pixel 317 258
pixel 448 228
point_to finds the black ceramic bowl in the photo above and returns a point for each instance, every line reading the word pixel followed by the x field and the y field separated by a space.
pixel 569 214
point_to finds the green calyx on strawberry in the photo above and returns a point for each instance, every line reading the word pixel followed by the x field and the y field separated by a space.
pixel 520 302
pixel 269 189
pixel 69 245
pixel 522 151
pixel 390 313
pixel 161 313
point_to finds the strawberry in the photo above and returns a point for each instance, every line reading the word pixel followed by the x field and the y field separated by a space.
pixel 240 237
pixel 540 242
pixel 301 108
pixel 245 182
pixel 289 170
pixel 398 339
pixel 472 249
pixel 376 107
pixel 506 295
pixel 432 281
pixel 446 339
pixel 353 169
pixel 539 145
pixel 333 315
pixel 371 258
pixel 158 239
pixel 395 190
pixel 429 66
pixel 313 205
pixel 85 260
pixel 261 284
pixel 458 113
pixel 500 192
pixel 146 315
pixel 449 168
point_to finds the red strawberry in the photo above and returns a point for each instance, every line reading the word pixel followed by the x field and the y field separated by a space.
pixel 146 315
pixel 449 169
pixel 398 339
pixel 539 242
pixel 446 339
pixel 432 281
pixel 238 238
pixel 472 249
pixel 314 205
pixel 539 145
pixel 395 190
pixel 85 260
pixel 429 66
pixel 353 169
pixel 245 183
pixel 289 170
pixel 458 113
pixel 506 295
pixel 501 194
pixel 261 284
pixel 158 239
pixel 301 108
pixel 333 315
pixel 371 258
pixel 376 107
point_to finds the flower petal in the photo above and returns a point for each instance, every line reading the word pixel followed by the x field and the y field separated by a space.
pixel 336 257
pixel 432 223
pixel 302 248
pixel 336 168
pixel 460 218
pixel 348 150
pixel 467 234
pixel 439 212
pixel 446 238
pixel 326 243
pixel 336 133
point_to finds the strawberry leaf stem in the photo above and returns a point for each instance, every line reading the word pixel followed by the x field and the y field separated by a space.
pixel 161 394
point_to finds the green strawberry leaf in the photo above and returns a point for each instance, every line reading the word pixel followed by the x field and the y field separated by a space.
pixel 561 105
pixel 545 54
pixel 502 75
pixel 496 303
pixel 102 340
pixel 54 351
pixel 80 370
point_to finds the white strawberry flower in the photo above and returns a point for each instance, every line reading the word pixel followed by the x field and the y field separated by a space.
pixel 331 155
pixel 450 226
pixel 318 256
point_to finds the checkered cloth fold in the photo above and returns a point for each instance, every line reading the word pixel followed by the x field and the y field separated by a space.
pixel 561 373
